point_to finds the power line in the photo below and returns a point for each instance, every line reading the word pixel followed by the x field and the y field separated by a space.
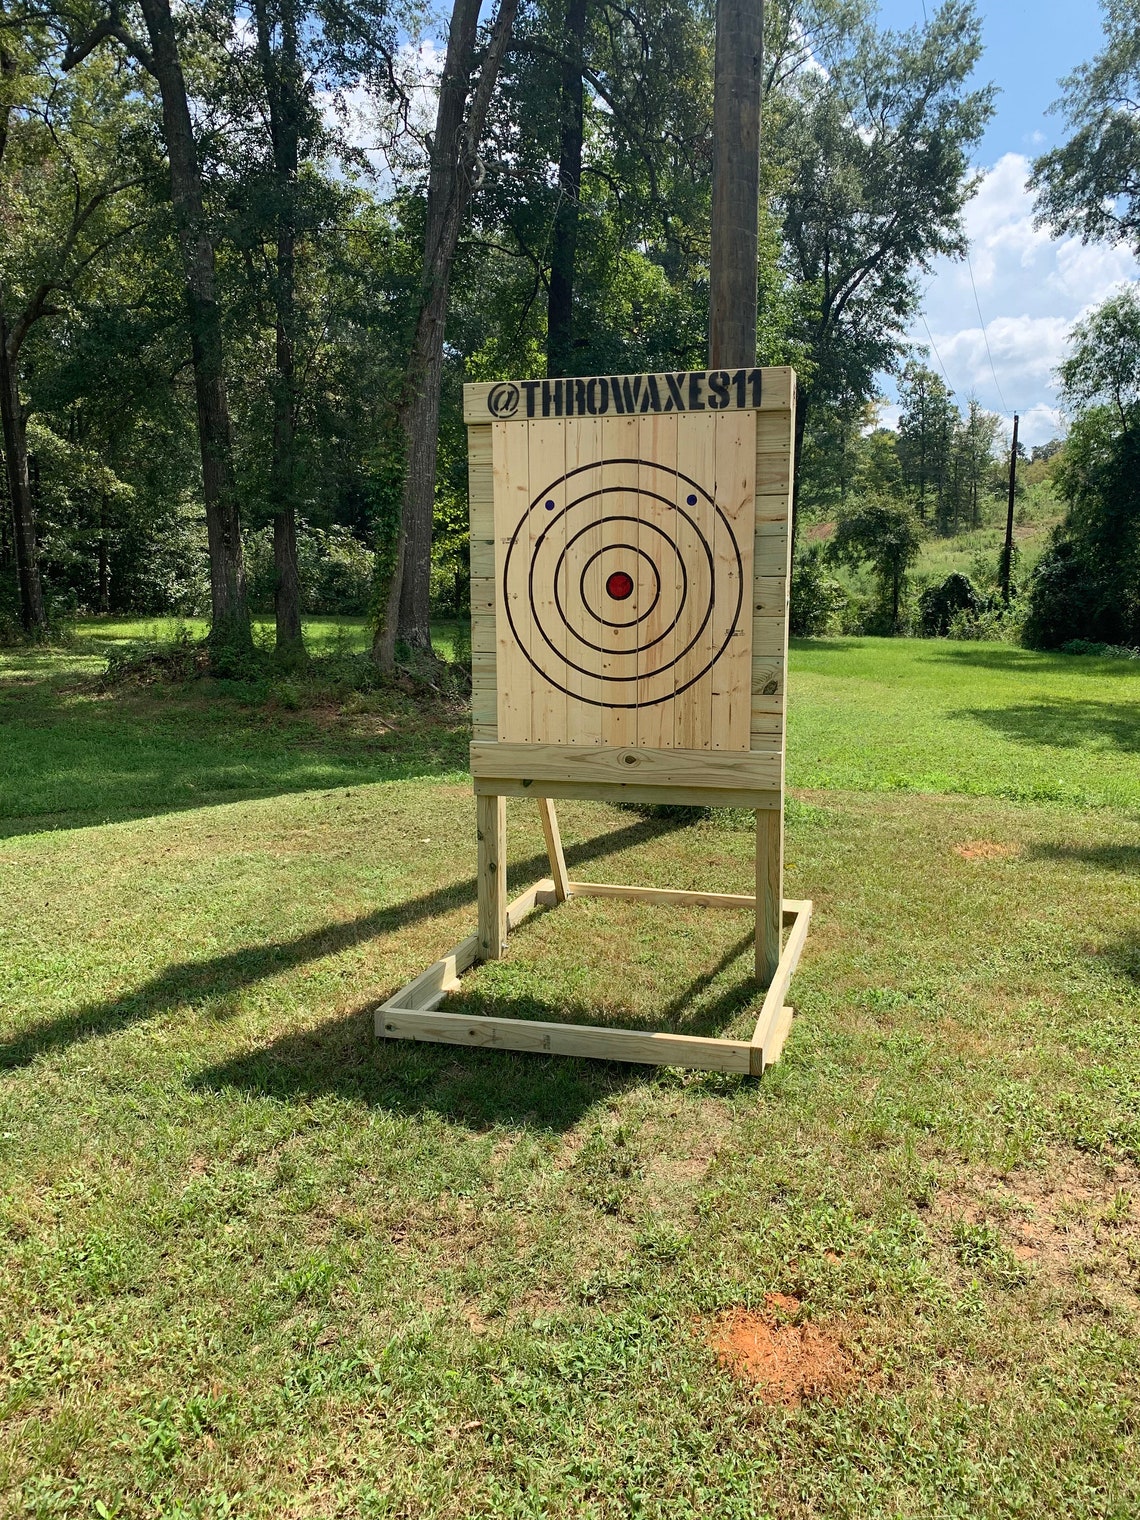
pixel 985 339
pixel 937 355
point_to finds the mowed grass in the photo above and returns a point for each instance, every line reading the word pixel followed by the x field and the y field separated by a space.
pixel 257 1264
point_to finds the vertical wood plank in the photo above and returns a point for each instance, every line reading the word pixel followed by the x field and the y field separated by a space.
pixel 769 891
pixel 696 459
pixel 731 676
pixel 554 851
pixel 511 461
pixel 656 445
pixel 481 512
pixel 584 479
pixel 491 828
pixel 619 444
pixel 546 442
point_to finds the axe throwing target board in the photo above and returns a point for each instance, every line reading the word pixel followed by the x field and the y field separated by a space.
pixel 630 561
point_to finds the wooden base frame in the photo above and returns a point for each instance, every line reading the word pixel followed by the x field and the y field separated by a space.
pixel 413 1012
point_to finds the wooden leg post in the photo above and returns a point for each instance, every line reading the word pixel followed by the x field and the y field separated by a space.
pixel 554 848
pixel 769 891
pixel 491 825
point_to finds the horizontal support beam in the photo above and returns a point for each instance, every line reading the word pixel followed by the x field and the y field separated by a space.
pixel 708 769
pixel 588 791
pixel 670 897
pixel 634 1045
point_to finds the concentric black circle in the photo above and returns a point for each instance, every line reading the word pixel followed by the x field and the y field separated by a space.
pixel 660 541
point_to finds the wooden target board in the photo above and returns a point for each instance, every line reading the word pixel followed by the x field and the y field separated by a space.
pixel 630 560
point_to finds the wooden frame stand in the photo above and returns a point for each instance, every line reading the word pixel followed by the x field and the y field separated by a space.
pixel 412 1013
pixel 630 569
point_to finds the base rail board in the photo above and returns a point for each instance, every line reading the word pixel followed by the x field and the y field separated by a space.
pixel 672 897
pixel 635 1045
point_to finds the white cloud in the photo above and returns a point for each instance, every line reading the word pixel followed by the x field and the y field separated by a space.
pixel 1031 289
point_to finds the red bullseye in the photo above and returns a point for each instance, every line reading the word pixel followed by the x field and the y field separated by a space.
pixel 619 585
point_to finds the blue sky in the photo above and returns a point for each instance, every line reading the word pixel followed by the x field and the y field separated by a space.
pixel 1030 287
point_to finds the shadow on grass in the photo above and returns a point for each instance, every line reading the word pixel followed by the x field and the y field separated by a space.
pixel 1064 723
pixel 476 1087
pixel 1010 657
pixel 1105 857
pixel 138 754
pixel 221 976
pixel 345 1059
pixel 1124 958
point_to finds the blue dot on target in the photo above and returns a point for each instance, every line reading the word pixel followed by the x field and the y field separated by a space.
pixel 692 500
pixel 550 506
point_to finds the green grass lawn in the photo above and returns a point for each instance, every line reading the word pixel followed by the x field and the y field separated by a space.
pixel 256 1264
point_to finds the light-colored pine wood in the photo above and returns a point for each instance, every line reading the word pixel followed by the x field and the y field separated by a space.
pixel 546 442
pixel 440 978
pixel 657 447
pixel 773 1046
pixel 553 837
pixel 481 1032
pixel 730 770
pixel 735 495
pixel 774 998
pixel 491 883
pixel 769 892
pixel 777 394
pixel 632 792
pixel 696 460
pixel 481 507
pixel 581 673
pixel 619 448
pixel 511 448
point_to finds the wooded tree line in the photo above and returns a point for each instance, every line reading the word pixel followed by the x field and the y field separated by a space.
pixel 236 235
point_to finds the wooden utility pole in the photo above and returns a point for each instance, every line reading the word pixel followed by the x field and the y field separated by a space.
pixel 736 183
pixel 1007 554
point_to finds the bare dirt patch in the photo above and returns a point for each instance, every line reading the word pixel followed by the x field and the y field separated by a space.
pixel 783 1357
pixel 1074 1223
pixel 986 849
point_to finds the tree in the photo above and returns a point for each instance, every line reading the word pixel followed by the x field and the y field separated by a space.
pixel 1091 184
pixel 873 167
pixel 161 58
pixel 1104 366
pixel 1087 584
pixel 454 173
pixel 927 423
pixel 886 535
pixel 65 165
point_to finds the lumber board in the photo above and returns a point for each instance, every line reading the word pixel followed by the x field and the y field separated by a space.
pixel 617 792
pixel 526 400
pixel 491 876
pixel 774 1045
pixel 774 998
pixel 594 1042
pixel 553 837
pixel 732 770
pixel 769 892
pixel 441 977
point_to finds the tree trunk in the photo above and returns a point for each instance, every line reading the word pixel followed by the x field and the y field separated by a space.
pixel 564 241
pixel 104 561
pixel 33 613
pixel 736 182
pixel 230 621
pixel 284 88
pixel 450 183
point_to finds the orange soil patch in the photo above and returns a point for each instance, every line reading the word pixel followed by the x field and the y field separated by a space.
pixel 786 1361
pixel 985 849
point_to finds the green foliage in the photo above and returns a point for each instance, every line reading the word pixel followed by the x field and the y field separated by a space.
pixel 887 536
pixel 818 600
pixel 1104 366
pixel 939 605
pixel 1089 185
pixel 336 570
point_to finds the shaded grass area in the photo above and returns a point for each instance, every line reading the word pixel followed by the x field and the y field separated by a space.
pixel 257 1264
pixel 934 715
